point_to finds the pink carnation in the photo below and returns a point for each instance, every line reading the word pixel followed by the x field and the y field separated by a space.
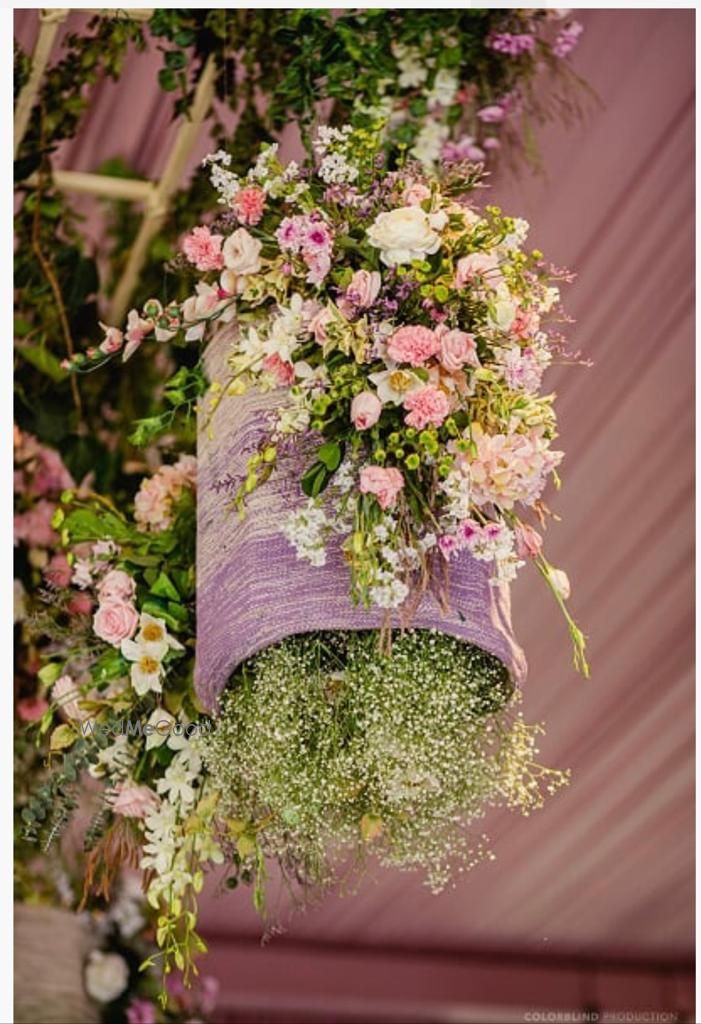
pixel 248 204
pixel 426 405
pixel 153 504
pixel 283 372
pixel 204 249
pixel 115 621
pixel 413 345
pixel 385 484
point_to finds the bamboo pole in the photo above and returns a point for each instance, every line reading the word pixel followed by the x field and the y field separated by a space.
pixel 49 23
pixel 159 200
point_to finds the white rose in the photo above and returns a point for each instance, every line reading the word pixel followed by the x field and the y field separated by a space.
pixel 242 252
pixel 406 234
pixel 106 976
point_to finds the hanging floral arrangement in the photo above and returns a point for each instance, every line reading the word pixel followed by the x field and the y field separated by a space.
pixel 375 445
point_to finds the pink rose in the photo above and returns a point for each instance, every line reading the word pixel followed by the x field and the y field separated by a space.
pixel 134 801
pixel 117 585
pixel 427 405
pixel 30 709
pixel 364 288
pixel 458 348
pixel 528 541
pixel 385 484
pixel 317 325
pixel 478 264
pixel 80 604
pixel 365 410
pixel 413 345
pixel 58 572
pixel 415 193
pixel 115 621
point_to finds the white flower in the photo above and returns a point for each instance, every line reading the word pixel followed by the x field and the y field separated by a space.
pixel 106 976
pixel 82 573
pixel 429 142
pixel 163 728
pixel 412 73
pixel 393 385
pixel 502 313
pixel 146 670
pixel 116 759
pixel 406 234
pixel 241 252
pixel 444 87
pixel 177 783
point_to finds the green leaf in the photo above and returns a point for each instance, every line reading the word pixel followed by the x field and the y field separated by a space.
pixel 110 665
pixel 49 673
pixel 330 454
pixel 85 524
pixel 163 587
pixel 62 737
pixel 44 361
pixel 315 479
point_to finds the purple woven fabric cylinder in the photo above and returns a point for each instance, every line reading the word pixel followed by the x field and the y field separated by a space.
pixel 252 591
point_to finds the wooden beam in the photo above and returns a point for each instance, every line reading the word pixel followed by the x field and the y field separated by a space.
pixel 103 185
pixel 159 201
pixel 49 23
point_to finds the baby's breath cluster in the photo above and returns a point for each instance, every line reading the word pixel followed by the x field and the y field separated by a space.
pixel 324 749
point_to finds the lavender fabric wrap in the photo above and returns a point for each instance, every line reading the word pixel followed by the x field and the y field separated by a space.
pixel 252 591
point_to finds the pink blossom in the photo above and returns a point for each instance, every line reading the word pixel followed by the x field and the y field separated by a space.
pixel 115 621
pixel 415 193
pixel 478 265
pixel 113 340
pixel 568 39
pixel 290 233
pixel 58 572
pixel 491 142
pixel 426 405
pixel 41 471
pixel 449 544
pixel 141 1011
pixel 154 501
pixel 117 585
pixel 134 801
pixel 248 204
pixel 529 542
pixel 463 149
pixel 34 526
pixel 283 372
pixel 525 323
pixel 510 467
pixel 136 331
pixel 80 604
pixel 512 44
pixel 492 114
pixel 365 410
pixel 30 709
pixel 66 694
pixel 316 237
pixel 458 348
pixel 385 484
pixel 204 249
pixel 413 344
pixel 319 264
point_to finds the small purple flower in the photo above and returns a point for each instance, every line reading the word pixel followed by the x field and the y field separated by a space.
pixel 448 544
pixel 568 39
pixel 512 44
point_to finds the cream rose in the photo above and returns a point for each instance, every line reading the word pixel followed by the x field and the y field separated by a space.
pixel 406 234
pixel 242 252
pixel 106 976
